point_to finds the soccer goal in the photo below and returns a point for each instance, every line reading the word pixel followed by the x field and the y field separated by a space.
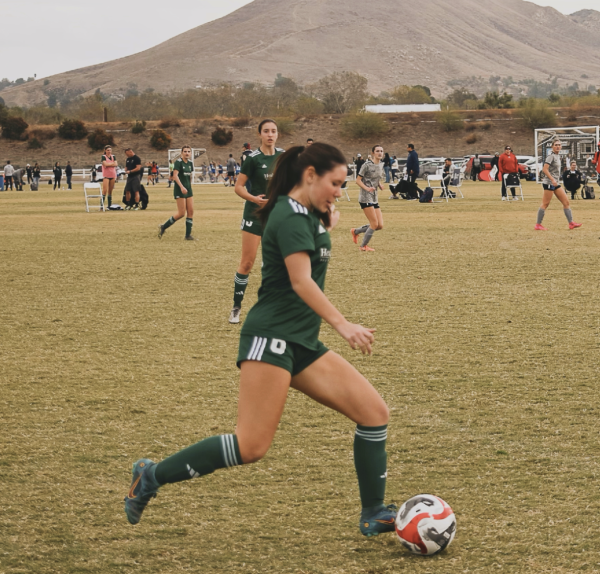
pixel 578 143
pixel 199 159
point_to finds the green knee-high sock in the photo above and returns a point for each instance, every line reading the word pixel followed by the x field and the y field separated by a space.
pixel 109 200
pixel 239 289
pixel 370 460
pixel 199 459
pixel 168 223
pixel 189 222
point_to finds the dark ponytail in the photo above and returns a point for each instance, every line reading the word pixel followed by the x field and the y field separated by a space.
pixel 290 167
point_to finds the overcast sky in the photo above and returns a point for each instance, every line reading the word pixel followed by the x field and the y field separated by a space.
pixel 59 35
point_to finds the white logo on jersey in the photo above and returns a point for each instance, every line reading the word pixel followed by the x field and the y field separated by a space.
pixel 278 346
pixel 264 166
pixel 325 254
pixel 322 229
pixel 249 223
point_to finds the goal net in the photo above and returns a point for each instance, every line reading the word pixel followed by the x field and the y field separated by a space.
pixel 578 143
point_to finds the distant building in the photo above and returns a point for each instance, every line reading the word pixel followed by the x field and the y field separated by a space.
pixel 397 109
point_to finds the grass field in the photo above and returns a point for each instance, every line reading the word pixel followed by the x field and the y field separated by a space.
pixel 115 345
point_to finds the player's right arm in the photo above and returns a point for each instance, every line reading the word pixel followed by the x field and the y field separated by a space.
pixel 178 181
pixel 359 181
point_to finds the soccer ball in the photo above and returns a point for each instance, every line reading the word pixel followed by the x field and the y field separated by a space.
pixel 425 524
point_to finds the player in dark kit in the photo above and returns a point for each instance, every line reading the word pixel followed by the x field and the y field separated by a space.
pixel 182 191
pixel 279 346
pixel 257 168
pixel 133 166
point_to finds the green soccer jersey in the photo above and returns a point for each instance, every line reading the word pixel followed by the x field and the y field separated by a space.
pixel 259 167
pixel 279 311
pixel 185 175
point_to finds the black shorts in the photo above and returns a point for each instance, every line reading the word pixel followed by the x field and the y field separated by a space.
pixel 231 174
pixel 551 187
pixel 132 184
pixel 106 178
pixel 375 205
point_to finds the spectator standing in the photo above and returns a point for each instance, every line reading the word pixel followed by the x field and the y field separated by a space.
pixel 231 165
pixel 69 174
pixel 359 163
pixel 29 174
pixel 394 169
pixel 9 170
pixel 37 174
pixel 476 167
pixel 94 173
pixel 412 167
pixel 447 172
pixel 57 171
pixel 573 179
pixel 508 164
pixel 494 164
pixel 596 163
pixel 133 167
pixel 387 166
pixel 109 174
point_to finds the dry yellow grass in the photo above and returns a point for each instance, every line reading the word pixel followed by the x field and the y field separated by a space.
pixel 115 345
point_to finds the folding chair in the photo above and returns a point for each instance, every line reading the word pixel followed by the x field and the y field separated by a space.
pixel 515 181
pixel 456 181
pixel 431 180
pixel 92 188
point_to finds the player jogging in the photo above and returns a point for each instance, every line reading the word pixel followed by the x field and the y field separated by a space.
pixel 279 346
pixel 109 174
pixel 369 181
pixel 552 186
pixel 182 191
pixel 257 168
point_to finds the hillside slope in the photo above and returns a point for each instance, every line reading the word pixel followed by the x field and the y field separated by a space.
pixel 427 42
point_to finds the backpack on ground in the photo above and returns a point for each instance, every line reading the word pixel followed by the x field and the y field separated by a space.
pixel 33 186
pixel 588 192
pixel 426 196
pixel 144 199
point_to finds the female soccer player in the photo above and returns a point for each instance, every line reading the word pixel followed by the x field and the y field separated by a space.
pixel 182 191
pixel 552 186
pixel 109 174
pixel 279 346
pixel 257 169
pixel 369 181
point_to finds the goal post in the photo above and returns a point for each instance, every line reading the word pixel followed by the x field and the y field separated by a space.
pixel 579 143
pixel 198 157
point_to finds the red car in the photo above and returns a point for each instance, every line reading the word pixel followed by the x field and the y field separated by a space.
pixel 486 160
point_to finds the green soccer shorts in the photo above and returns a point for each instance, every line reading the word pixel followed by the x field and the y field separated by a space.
pixel 177 194
pixel 292 357
pixel 250 222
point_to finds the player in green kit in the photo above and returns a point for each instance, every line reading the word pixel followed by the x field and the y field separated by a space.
pixel 183 170
pixel 279 346
pixel 256 169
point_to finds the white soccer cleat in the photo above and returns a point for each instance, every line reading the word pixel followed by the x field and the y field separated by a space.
pixel 234 317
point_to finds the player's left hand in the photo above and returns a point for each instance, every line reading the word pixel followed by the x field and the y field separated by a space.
pixel 335 217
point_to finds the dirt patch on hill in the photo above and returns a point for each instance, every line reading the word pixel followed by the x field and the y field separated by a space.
pixel 485 131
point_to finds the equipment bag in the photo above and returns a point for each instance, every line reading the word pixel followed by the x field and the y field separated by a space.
pixel 512 180
pixel 426 196
pixel 588 192
pixel 33 186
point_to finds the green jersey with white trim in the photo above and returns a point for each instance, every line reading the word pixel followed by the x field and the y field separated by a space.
pixel 185 171
pixel 258 168
pixel 279 311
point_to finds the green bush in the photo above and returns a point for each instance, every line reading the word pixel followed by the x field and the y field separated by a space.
pixel 72 130
pixel 35 143
pixel 99 138
pixel 309 107
pixel 363 125
pixel 536 114
pixel 160 140
pixel 221 136
pixel 41 134
pixel 138 127
pixel 449 121
pixel 285 126
pixel 13 128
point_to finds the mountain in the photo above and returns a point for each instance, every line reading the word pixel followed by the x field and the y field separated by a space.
pixel 588 18
pixel 408 42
